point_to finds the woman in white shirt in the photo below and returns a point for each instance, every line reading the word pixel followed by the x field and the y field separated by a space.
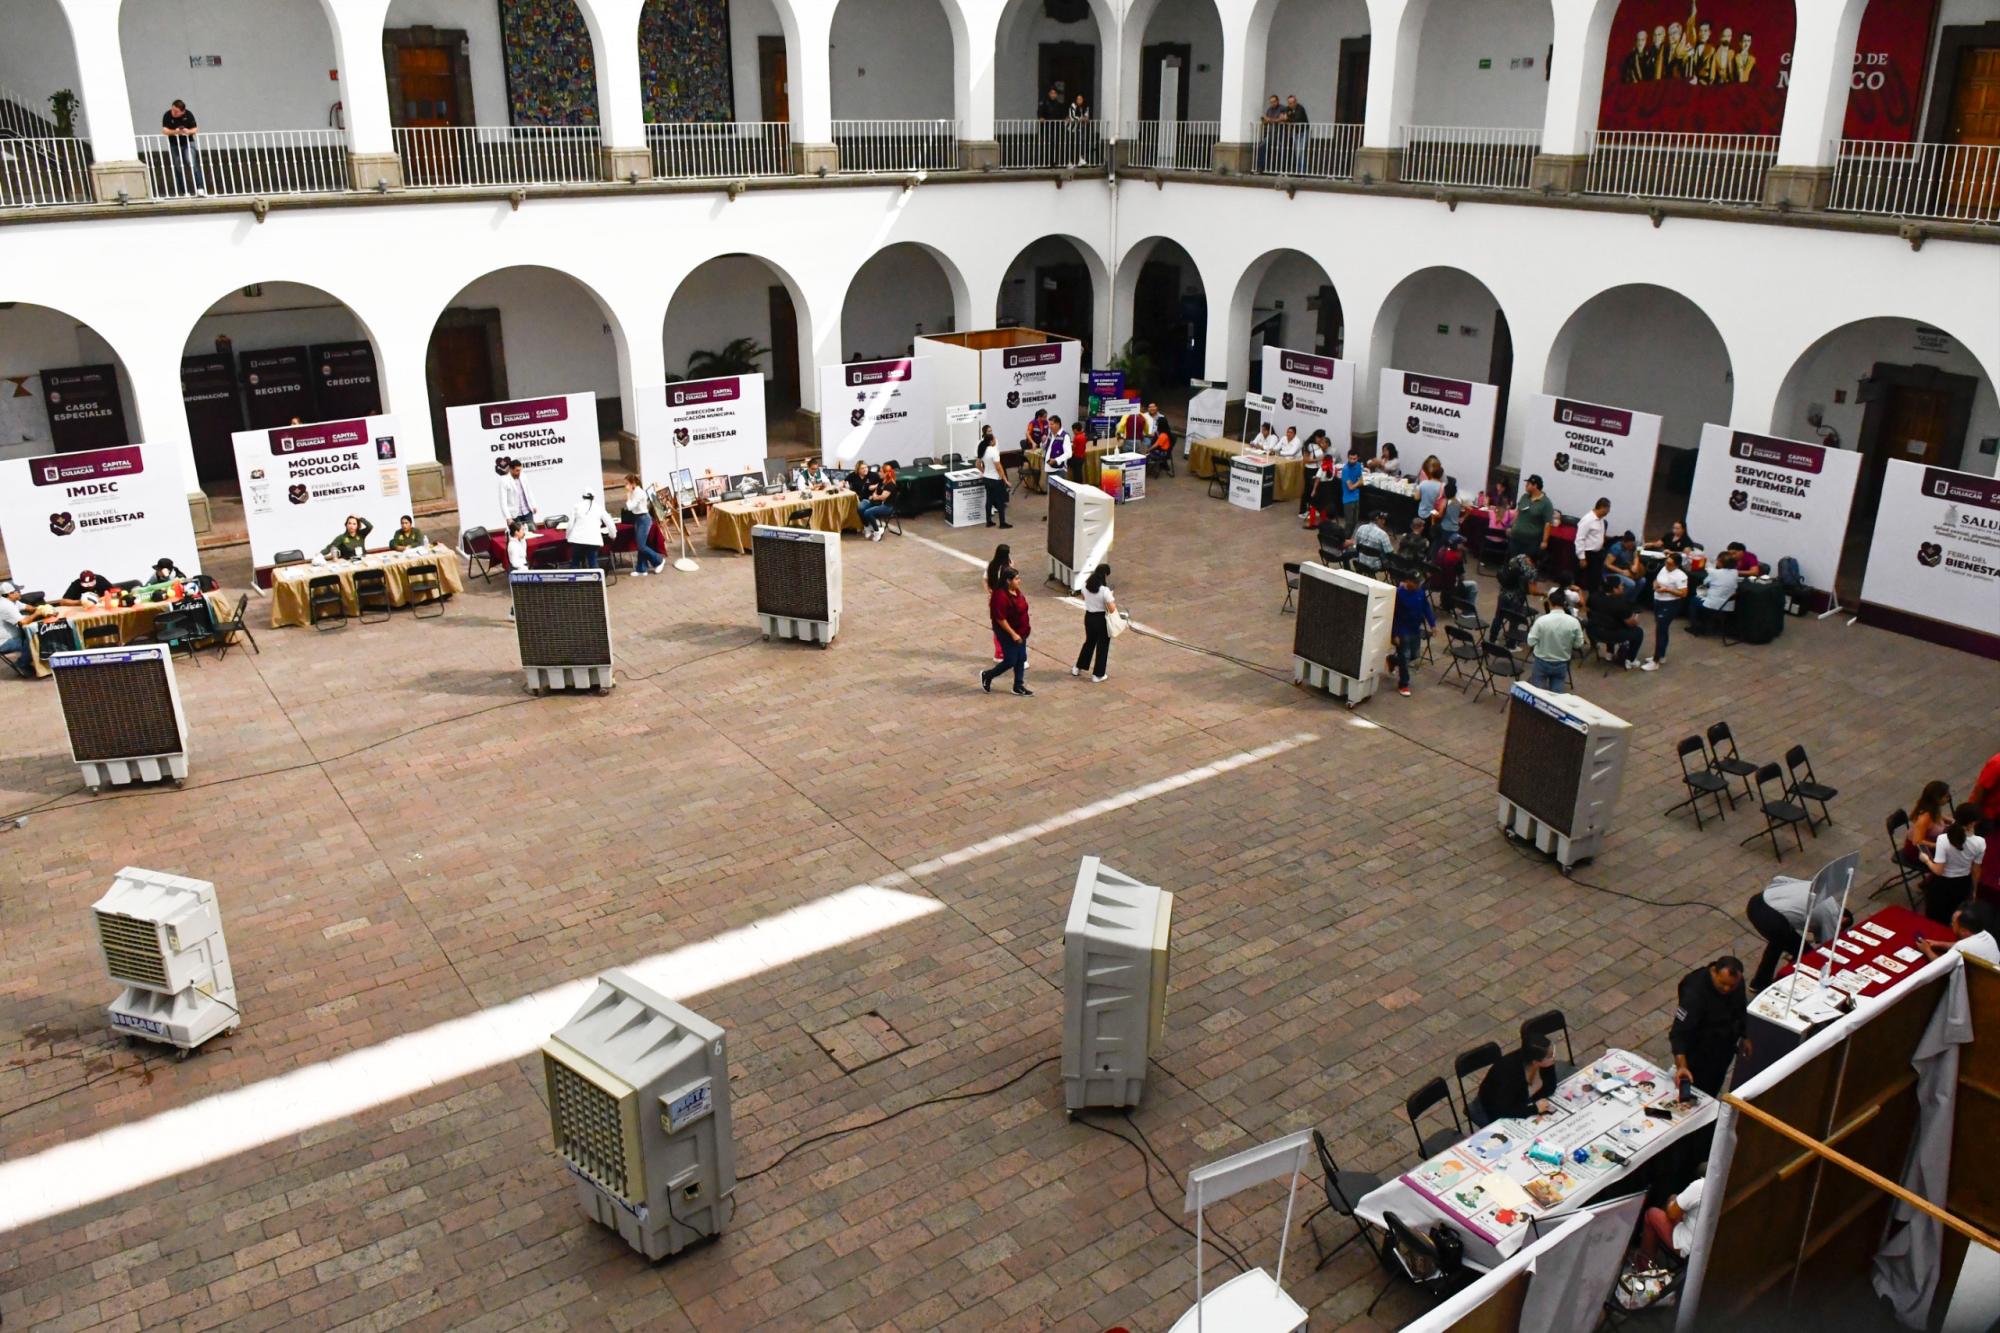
pixel 517 557
pixel 994 473
pixel 1098 607
pixel 1954 866
pixel 639 501
pixel 1670 590
pixel 587 529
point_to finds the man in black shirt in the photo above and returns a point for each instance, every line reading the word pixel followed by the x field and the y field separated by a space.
pixel 83 585
pixel 180 128
pixel 1711 1015
pixel 1518 1084
pixel 1614 624
pixel 1300 132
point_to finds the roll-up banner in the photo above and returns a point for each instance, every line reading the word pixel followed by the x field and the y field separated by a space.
pixel 301 482
pixel 214 413
pixel 1017 382
pixel 1936 549
pixel 1311 392
pixel 1429 414
pixel 1206 412
pixel 1778 497
pixel 345 384
pixel 1584 452
pixel 85 411
pixel 111 511
pixel 713 426
pixel 873 411
pixel 276 386
pixel 555 438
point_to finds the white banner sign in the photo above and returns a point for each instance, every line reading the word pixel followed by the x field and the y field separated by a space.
pixel 554 438
pixel 1778 497
pixel 1936 551
pixel 965 414
pixel 1206 412
pixel 1428 414
pixel 1311 392
pixel 714 426
pixel 1586 451
pixel 1018 382
pixel 301 482
pixel 873 411
pixel 110 511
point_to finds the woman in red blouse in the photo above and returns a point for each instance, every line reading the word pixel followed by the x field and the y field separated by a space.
pixel 1007 605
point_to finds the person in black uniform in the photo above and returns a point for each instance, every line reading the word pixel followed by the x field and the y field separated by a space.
pixel 1710 1018
pixel 1519 1083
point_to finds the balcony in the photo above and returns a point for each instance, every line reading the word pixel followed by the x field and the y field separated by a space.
pixel 705 150
pixel 1324 152
pixel 1702 168
pixel 900 146
pixel 464 156
pixel 1947 182
pixel 245 162
pixel 1048 145
pixel 1172 145
pixel 43 171
pixel 1491 159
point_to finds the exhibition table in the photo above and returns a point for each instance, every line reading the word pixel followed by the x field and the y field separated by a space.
pixel 548 546
pixel 1093 463
pixel 1398 508
pixel 730 521
pixel 919 490
pixel 288 582
pixel 1492 1184
pixel 1288 482
pixel 133 622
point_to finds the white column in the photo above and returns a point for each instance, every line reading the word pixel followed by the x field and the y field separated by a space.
pixel 1394 28
pixel 621 102
pixel 1576 75
pixel 809 70
pixel 975 35
pixel 1822 70
pixel 400 349
pixel 107 106
pixel 155 376
pixel 1246 32
pixel 364 86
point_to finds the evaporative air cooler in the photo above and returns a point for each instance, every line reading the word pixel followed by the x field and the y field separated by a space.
pixel 1080 519
pixel 1114 985
pixel 123 712
pixel 562 622
pixel 1560 769
pixel 1341 641
pixel 798 583
pixel 639 1104
pixel 162 941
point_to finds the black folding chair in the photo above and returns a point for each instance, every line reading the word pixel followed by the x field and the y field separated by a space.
pixel 1291 585
pixel 1701 780
pixel 423 588
pixel 226 631
pixel 1413 1257
pixel 1730 765
pixel 1461 647
pixel 324 603
pixel 1779 812
pixel 1218 477
pixel 371 593
pixel 101 636
pixel 1343 1190
pixel 1482 1056
pixel 1898 826
pixel 1809 788
pixel 478 554
pixel 1546 1024
pixel 1498 664
pixel 1433 1093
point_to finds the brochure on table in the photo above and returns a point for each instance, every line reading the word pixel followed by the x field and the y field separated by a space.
pixel 301 482
pixel 714 426
pixel 554 438
pixel 1936 549
pixel 875 411
pixel 1778 497
pixel 1430 414
pixel 1312 392
pixel 111 511
pixel 1587 451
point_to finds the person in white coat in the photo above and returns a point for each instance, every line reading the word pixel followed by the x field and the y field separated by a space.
pixel 587 530
pixel 515 502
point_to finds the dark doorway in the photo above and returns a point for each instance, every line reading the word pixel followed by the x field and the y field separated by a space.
pixel 430 77
pixel 1150 60
pixel 784 382
pixel 1063 300
pixel 1330 326
pixel 1500 374
pixel 1170 325
pixel 1266 332
pixel 214 414
pixel 1918 414
pixel 1350 96
pixel 773 85
pixel 1071 64
pixel 466 363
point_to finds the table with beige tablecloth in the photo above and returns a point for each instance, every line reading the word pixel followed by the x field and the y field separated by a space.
pixel 1093 464
pixel 288 583
pixel 1288 483
pixel 730 521
pixel 133 622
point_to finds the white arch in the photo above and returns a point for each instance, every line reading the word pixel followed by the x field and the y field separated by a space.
pixel 82 355
pixel 1105 20
pixel 1789 403
pixel 962 60
pixel 1100 286
pixel 1663 379
pixel 961 293
pixel 1242 305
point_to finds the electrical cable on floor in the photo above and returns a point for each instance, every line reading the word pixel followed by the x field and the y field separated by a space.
pixel 1531 854
pixel 1209 1234
pixel 145 1061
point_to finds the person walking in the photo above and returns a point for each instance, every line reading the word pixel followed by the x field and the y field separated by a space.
pixel 178 124
pixel 1409 627
pixel 1099 605
pixel 639 505
pixel 994 474
pixel 1670 591
pixel 1007 605
pixel 996 580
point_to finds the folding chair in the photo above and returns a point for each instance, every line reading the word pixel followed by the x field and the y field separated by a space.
pixel 473 545
pixel 1413 1257
pixel 1779 812
pixel 1482 1056
pixel 1343 1189
pixel 1218 477
pixel 1498 664
pixel 800 518
pixel 1460 647
pixel 423 588
pixel 1291 585
pixel 1731 765
pixel 226 632
pixel 324 602
pixel 371 593
pixel 1432 1093
pixel 104 635
pixel 1545 1024
pixel 1809 788
pixel 1701 780
pixel 1898 826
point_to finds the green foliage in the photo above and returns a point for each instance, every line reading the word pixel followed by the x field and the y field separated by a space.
pixel 739 356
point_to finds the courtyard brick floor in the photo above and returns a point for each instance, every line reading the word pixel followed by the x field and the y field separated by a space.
pixel 400 836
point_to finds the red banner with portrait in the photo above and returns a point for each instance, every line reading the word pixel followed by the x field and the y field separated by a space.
pixel 1885 100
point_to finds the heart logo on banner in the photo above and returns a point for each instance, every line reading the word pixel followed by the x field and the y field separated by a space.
pixel 1739 500
pixel 1013 398
pixel 1930 555
pixel 1562 462
pixel 500 466
pixel 1287 402
pixel 297 493
pixel 857 416
pixel 62 525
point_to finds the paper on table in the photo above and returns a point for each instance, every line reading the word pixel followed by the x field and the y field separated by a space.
pixel 1506 1192
pixel 1888 964
pixel 1909 955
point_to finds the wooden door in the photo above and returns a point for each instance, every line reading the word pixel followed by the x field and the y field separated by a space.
pixel 784 382
pixel 429 88
pixel 773 85
pixel 462 366
pixel 1074 66
pixel 1917 422
pixel 1350 99
pixel 1975 122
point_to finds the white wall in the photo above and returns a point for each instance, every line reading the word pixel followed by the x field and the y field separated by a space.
pixel 1303 54
pixel 557 338
pixel 897 290
pixel 1451 298
pixel 749 20
pixel 36 55
pixel 1458 34
pixel 35 338
pixel 1017 59
pixel 1649 349
pixel 276 57
pixel 1196 23
pixel 1842 359
pixel 724 299
pixel 480 21
pixel 1293 278
pixel 1016 301
pixel 891 60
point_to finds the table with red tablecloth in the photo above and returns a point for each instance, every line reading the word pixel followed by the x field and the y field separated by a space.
pixel 548 547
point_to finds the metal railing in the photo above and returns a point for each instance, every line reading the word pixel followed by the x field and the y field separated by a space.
pixel 456 156
pixel 693 150
pixel 896 145
pixel 1496 159
pixel 1028 145
pixel 1953 182
pixel 1172 145
pixel 1326 151
pixel 1705 168
pixel 22 116
pixel 246 162
pixel 44 171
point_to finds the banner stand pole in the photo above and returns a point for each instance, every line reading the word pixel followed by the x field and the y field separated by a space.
pixel 686 564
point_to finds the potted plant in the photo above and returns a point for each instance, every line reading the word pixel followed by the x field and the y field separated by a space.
pixel 63 102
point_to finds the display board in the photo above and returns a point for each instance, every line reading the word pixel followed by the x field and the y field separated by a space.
pixel 1936 549
pixel 713 426
pixel 301 482
pixel 276 386
pixel 345 383
pixel 874 411
pixel 111 511
pixel 214 412
pixel 1311 392
pixel 1778 497
pixel 85 411
pixel 1583 451
pixel 1429 414
pixel 1017 382
pixel 1206 412
pixel 555 439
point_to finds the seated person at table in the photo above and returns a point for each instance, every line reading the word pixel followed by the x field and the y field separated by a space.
pixel 1676 540
pixel 517 555
pixel 809 476
pixel 1265 441
pixel 14 618
pixel 879 506
pixel 1707 607
pixel 1450 563
pixel 1975 929
pixel 1672 1227
pixel 1615 624
pixel 1335 546
pixel 1518 1084
pixel 1291 446
pixel 406 535
pixel 1746 561
pixel 1621 560
pixel 859 481
pixel 1416 543
pixel 1387 462
pixel 1371 543
pixel 352 543
pixel 166 571
pixel 84 590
